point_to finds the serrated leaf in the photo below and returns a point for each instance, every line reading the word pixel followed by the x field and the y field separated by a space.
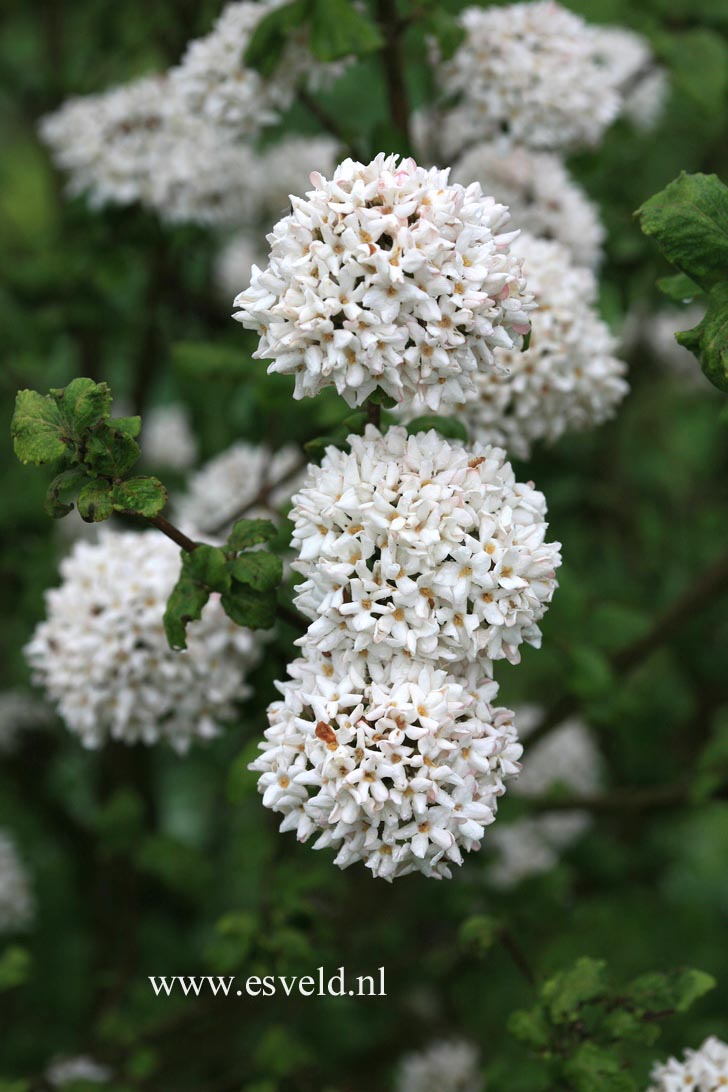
pixel 63 490
pixel 260 569
pixel 679 288
pixel 530 1026
pixel 449 427
pixel 184 605
pixel 250 532
pixel 36 429
pixel 142 496
pixel 207 565
pixel 271 35
pixel 128 426
pixel 95 502
pixel 709 339
pixel 339 30
pixel 82 404
pixel 567 991
pixel 689 221
pixel 676 990
pixel 110 452
pixel 247 607
pixel 593 1069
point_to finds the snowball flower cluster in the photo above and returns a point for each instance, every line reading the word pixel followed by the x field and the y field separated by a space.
pixel 415 545
pixel 443 1067
pixel 542 197
pixel 568 758
pixel 642 84
pixel 102 655
pixel 388 276
pixel 245 478
pixel 167 438
pixel 569 378
pixel 16 901
pixel 701 1070
pixel 391 762
pixel 530 73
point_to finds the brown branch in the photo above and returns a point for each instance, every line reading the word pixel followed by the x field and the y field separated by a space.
pixel 374 413
pixel 697 597
pixel 173 532
pixel 393 61
pixel 515 951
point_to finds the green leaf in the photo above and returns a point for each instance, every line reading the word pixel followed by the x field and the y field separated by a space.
pixel 271 36
pixel 250 532
pixel 449 427
pixel 339 30
pixel 261 570
pixel 709 339
pixel 593 1069
pixel 446 30
pixel 36 429
pixel 567 991
pixel 142 496
pixel 184 605
pixel 128 426
pixel 63 489
pixel 480 932
pixel 95 502
pixel 14 967
pixel 82 404
pixel 247 607
pixel 208 566
pixel 530 1026
pixel 110 452
pixel 676 990
pixel 679 288
pixel 689 221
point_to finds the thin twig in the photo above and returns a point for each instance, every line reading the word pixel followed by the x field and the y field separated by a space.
pixel 515 951
pixel 174 533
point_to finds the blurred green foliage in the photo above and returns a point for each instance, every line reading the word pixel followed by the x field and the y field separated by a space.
pixel 144 863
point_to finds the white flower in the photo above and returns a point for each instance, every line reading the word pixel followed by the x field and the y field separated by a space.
pixel 628 61
pixel 102 654
pixel 20 712
pixel 569 377
pixel 65 1071
pixel 701 1070
pixel 167 438
pixel 393 762
pixel 443 1067
pixel 387 276
pixel 529 73
pixel 244 477
pixel 418 545
pixel 215 83
pixel 542 197
pixel 567 757
pixel 16 901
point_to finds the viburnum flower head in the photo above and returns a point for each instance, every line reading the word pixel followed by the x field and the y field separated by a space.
pixel 420 546
pixel 530 73
pixel 388 276
pixel 544 200
pixel 442 1067
pixel 701 1070
pixel 102 655
pixel 569 378
pixel 390 762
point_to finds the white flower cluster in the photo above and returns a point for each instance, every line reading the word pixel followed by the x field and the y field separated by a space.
pixel 701 1070
pixel 20 712
pixel 643 85
pixel 167 438
pixel 567 757
pixel 569 378
pixel 103 657
pixel 542 197
pixel 393 762
pixel 443 1067
pixel 17 906
pixel 530 73
pixel 419 546
pixel 64 1071
pixel 388 276
pixel 244 478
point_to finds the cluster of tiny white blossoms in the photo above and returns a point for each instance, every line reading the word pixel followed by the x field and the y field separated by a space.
pixel 442 1067
pixel 542 197
pixel 417 545
pixel 388 276
pixel 20 712
pixel 102 655
pixel 641 83
pixel 701 1070
pixel 167 439
pixel 566 758
pixel 17 906
pixel 569 378
pixel 245 479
